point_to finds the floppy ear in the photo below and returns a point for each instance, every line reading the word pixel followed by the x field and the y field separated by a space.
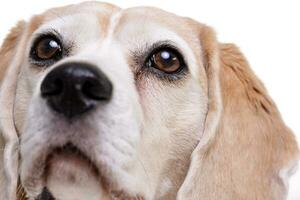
pixel 246 151
pixel 10 59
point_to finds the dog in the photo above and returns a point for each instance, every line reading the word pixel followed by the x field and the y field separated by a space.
pixel 98 102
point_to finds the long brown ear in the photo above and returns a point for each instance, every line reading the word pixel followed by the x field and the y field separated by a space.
pixel 246 151
pixel 9 70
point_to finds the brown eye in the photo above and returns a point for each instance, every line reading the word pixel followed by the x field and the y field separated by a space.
pixel 47 48
pixel 165 60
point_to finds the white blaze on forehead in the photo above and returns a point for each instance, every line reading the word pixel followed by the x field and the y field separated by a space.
pixel 114 21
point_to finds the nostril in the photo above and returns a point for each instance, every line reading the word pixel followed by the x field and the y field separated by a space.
pixel 90 89
pixel 93 89
pixel 52 87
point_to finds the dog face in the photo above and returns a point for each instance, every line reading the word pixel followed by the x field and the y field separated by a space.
pixel 111 103
pixel 128 138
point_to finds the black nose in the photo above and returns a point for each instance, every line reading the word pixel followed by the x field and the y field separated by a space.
pixel 75 88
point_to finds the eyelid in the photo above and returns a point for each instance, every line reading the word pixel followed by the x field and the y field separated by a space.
pixel 161 45
pixel 50 33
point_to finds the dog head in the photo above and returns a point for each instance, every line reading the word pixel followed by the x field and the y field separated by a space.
pixel 103 103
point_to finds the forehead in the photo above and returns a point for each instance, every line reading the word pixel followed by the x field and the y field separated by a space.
pixel 106 18
pixel 105 13
pixel 132 28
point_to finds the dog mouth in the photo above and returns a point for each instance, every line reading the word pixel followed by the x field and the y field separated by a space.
pixel 70 152
pixel 67 165
pixel 67 172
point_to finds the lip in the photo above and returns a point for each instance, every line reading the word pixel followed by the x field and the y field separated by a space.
pixel 57 163
pixel 34 180
pixel 71 152
pixel 68 164
pixel 61 163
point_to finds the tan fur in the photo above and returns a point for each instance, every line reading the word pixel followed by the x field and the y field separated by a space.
pixel 245 142
pixel 8 47
pixel 251 143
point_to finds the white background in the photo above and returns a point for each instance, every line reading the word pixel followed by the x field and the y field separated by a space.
pixel 268 33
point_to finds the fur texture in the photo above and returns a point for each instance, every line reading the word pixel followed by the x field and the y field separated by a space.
pixel 213 134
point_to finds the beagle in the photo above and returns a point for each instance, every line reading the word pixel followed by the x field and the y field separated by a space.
pixel 97 102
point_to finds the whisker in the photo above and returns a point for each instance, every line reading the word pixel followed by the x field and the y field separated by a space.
pixel 143 166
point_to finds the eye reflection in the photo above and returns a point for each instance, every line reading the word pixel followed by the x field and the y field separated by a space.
pixel 165 60
pixel 46 48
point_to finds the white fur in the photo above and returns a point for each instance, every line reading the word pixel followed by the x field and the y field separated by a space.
pixel 287 172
